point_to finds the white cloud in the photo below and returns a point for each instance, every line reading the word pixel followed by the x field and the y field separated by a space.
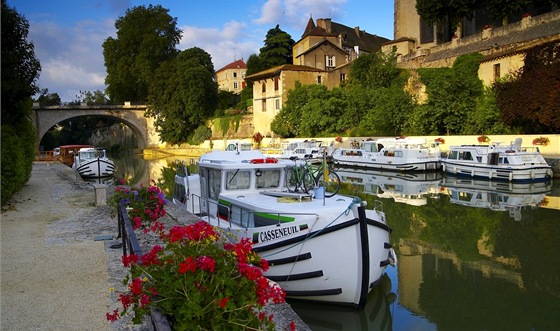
pixel 71 58
pixel 232 42
pixel 294 14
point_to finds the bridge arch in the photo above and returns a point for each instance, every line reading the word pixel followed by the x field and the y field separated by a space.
pixel 132 115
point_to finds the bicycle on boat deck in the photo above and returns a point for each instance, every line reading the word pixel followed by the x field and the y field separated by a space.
pixel 305 177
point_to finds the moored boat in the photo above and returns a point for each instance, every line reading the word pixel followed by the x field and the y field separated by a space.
pixel 393 154
pixel 67 153
pixel 497 162
pixel 326 250
pixel 299 149
pixel 92 162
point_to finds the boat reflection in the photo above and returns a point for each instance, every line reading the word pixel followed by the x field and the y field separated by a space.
pixel 376 315
pixel 498 196
pixel 409 188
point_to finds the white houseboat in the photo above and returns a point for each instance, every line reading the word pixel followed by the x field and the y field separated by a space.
pixel 497 162
pixel 319 249
pixel 92 162
pixel 299 149
pixel 394 154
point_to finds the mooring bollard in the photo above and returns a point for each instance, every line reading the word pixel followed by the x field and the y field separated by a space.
pixel 100 194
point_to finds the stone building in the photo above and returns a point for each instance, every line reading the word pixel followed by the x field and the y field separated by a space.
pixel 232 77
pixel 419 45
pixel 321 56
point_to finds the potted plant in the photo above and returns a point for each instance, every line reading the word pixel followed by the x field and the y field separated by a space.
pixel 440 140
pixel 338 139
pixel 541 141
pixel 483 139
pixel 145 204
pixel 257 138
pixel 201 281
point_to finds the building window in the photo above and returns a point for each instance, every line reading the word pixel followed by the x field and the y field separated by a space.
pixel 318 79
pixel 496 71
pixel 277 104
pixel 342 77
pixel 235 85
pixel 234 74
pixel 263 87
pixel 264 106
pixel 426 32
pixel 275 83
pixel 330 60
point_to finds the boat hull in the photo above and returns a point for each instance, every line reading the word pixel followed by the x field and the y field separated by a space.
pixel 510 173
pixel 96 168
pixel 387 165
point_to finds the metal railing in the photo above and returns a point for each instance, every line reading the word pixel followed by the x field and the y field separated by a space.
pixel 130 245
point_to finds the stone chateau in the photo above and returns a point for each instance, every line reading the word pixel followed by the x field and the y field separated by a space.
pixel 326 49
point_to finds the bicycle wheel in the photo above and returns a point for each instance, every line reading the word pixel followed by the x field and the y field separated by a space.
pixel 291 180
pixel 332 185
pixel 308 181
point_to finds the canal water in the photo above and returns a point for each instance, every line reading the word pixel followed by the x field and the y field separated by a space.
pixel 472 255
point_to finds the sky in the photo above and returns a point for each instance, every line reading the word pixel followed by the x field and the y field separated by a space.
pixel 68 34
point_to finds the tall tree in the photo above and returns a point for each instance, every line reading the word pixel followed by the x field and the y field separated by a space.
pixel 501 9
pixel 183 95
pixel 451 11
pixel 20 70
pixel 277 49
pixel 146 37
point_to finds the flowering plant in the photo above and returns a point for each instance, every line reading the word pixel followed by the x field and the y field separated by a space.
pixel 145 204
pixel 258 137
pixel 338 139
pixel 201 281
pixel 440 140
pixel 483 139
pixel 541 141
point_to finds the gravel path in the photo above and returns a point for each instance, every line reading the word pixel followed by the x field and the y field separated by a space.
pixel 56 273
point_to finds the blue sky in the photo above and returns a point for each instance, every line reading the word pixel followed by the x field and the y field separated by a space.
pixel 68 34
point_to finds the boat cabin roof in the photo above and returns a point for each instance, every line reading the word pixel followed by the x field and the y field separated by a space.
pixel 243 159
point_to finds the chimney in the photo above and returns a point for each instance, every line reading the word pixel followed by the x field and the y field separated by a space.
pixel 325 23
pixel 357 30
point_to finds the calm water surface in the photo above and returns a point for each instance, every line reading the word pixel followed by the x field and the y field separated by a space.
pixel 472 255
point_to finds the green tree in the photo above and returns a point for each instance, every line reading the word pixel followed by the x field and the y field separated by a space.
pixel 90 98
pixel 146 37
pixel 48 99
pixel 277 49
pixel 288 121
pixel 452 96
pixel 184 95
pixel 502 9
pixel 451 11
pixel 20 70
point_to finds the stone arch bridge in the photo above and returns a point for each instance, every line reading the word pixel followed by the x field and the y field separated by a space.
pixel 44 118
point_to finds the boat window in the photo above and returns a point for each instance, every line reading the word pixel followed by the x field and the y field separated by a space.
pixel 398 154
pixel 242 217
pixel 504 160
pixel 479 158
pixel 270 178
pixel 238 180
pixel 214 183
pixel 453 155
pixel 465 156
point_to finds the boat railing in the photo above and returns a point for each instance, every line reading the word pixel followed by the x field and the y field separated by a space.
pixel 130 245
pixel 211 209
pixel 222 213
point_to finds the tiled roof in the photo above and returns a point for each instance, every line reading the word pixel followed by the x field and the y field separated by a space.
pixel 353 36
pixel 239 64
pixel 275 70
